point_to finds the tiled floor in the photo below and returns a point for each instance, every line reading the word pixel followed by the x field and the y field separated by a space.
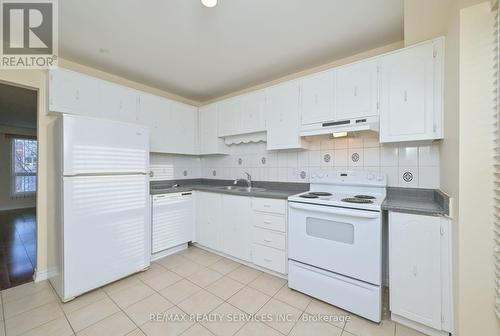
pixel 17 247
pixel 191 282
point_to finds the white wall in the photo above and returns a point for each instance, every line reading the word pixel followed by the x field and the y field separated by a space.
pixel 476 286
pixel 7 202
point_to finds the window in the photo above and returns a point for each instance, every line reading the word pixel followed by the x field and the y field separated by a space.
pixel 24 167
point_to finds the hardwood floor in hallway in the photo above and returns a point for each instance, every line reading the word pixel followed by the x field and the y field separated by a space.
pixel 17 246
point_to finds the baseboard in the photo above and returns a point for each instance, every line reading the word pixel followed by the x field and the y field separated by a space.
pixel 243 262
pixel 168 252
pixel 418 326
pixel 41 275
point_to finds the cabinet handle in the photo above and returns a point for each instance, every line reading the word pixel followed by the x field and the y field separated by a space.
pixel 268 241
pixel 267 260
pixel 268 222
pixel 267 205
pixel 406 96
pixel 415 270
pixel 355 91
pixel 78 94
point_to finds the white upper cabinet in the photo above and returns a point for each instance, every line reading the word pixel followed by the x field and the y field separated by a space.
pixel 183 131
pixel 283 116
pixel 155 113
pixel 242 114
pixel 72 92
pixel 209 140
pixel 356 90
pixel 229 116
pixel 118 102
pixel 317 98
pixel 253 114
pixel 411 93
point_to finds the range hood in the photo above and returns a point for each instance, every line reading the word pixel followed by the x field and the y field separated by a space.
pixel 339 126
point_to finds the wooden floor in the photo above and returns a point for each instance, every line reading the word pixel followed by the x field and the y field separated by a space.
pixel 17 247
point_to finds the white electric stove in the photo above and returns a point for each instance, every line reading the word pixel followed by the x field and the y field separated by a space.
pixel 335 240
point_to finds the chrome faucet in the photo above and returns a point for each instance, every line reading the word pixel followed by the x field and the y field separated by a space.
pixel 248 180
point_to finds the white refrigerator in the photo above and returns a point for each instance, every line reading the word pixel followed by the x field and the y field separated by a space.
pixel 103 230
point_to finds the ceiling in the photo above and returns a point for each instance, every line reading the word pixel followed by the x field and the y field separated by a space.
pixel 18 106
pixel 202 53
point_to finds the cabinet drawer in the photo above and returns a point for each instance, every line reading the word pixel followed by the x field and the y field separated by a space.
pixel 269 238
pixel 269 258
pixel 270 222
pixel 269 205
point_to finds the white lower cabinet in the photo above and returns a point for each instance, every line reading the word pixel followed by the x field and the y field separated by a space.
pixel 269 249
pixel 237 226
pixel 420 272
pixel 208 219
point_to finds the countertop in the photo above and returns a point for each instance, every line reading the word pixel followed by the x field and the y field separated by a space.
pixel 276 190
pixel 429 202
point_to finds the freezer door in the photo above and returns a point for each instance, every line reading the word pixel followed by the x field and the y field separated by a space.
pixel 107 230
pixel 97 146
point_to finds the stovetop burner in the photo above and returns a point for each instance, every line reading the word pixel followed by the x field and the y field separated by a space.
pixel 366 197
pixel 357 200
pixel 308 196
pixel 320 193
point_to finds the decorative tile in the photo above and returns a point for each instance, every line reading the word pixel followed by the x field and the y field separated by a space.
pixel 355 157
pixel 408 177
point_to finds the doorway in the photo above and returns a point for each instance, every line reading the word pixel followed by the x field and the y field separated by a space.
pixel 18 184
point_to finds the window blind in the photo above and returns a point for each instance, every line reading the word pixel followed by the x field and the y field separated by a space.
pixel 497 155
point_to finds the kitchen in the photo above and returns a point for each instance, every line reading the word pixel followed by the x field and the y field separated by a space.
pixel 327 191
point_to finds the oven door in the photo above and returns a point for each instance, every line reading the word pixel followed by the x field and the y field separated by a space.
pixel 341 240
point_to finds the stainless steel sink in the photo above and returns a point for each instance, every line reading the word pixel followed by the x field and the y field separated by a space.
pixel 230 188
pixel 238 188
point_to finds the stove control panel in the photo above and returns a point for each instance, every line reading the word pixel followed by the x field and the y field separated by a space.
pixel 348 177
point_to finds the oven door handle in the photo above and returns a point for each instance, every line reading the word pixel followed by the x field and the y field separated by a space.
pixel 335 210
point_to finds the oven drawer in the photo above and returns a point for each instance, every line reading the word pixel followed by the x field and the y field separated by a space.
pixel 269 258
pixel 269 238
pixel 269 205
pixel 269 221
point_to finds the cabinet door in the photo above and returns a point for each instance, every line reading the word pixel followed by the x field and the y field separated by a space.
pixel 72 92
pixel 236 222
pixel 415 267
pixel 208 219
pixel 407 95
pixel 118 102
pixel 317 98
pixel 357 90
pixel 183 132
pixel 209 141
pixel 229 116
pixel 252 115
pixel 282 114
pixel 154 113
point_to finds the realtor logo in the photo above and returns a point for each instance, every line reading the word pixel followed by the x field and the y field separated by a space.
pixel 29 34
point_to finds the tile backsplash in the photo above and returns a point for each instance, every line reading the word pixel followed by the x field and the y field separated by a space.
pixel 410 166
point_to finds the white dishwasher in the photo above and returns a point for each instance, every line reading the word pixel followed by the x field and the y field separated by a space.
pixel 173 220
